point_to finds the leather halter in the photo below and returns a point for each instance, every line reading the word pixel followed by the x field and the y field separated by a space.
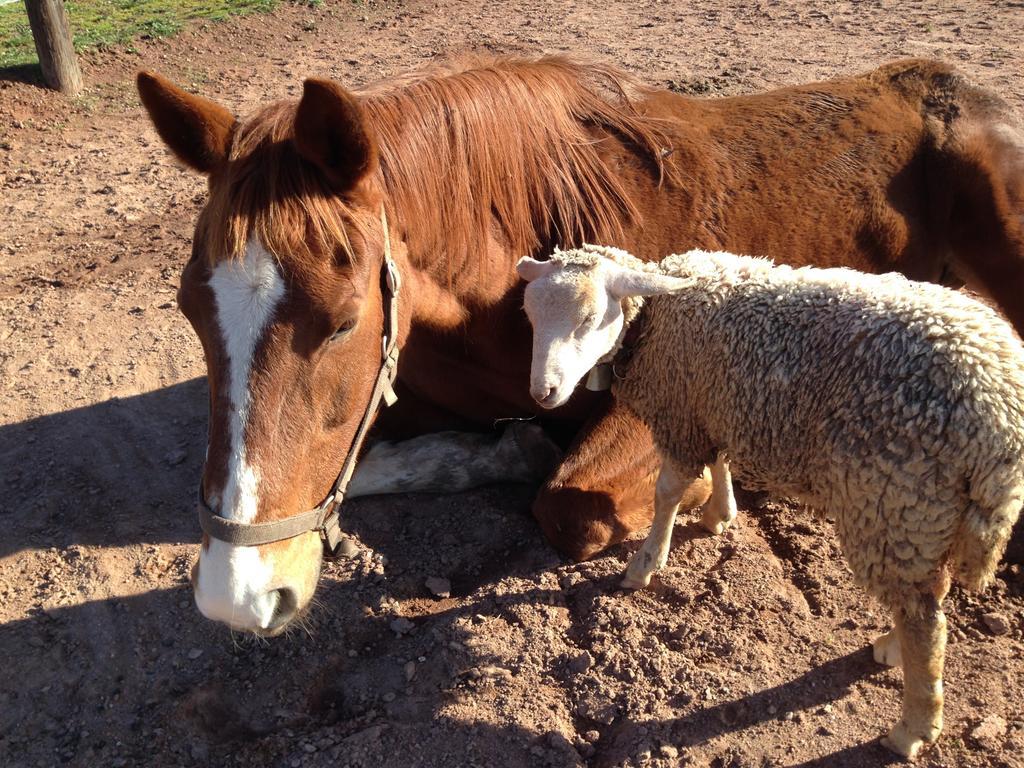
pixel 324 517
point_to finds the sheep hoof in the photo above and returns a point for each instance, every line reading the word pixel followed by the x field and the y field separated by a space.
pixel 716 528
pixel 638 574
pixel 641 567
pixel 717 521
pixel 886 650
pixel 906 745
pixel 634 582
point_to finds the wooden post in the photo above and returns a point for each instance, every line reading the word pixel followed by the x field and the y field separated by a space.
pixel 53 44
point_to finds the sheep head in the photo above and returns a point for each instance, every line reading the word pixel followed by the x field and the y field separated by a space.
pixel 575 304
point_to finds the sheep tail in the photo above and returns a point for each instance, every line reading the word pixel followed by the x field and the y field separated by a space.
pixel 984 532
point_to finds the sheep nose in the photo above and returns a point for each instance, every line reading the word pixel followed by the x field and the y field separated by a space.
pixel 543 394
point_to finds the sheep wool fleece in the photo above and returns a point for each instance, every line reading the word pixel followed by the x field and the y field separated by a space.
pixel 894 407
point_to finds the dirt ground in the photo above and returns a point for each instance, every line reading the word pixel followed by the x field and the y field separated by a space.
pixel 751 649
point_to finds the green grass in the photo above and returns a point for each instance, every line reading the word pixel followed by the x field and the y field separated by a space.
pixel 111 23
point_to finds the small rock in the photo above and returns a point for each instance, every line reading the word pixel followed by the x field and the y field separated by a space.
pixel 592 736
pixel 308 748
pixel 581 663
pixel 195 653
pixel 439 587
pixel 347 548
pixel 496 673
pixel 388 697
pixel 668 751
pixel 199 751
pixel 598 708
pixel 997 623
pixel 990 732
pixel 570 580
pixel 410 670
pixel 401 626
pixel 175 457
pixel 559 742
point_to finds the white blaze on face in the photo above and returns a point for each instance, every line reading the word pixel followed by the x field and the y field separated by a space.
pixel 234 582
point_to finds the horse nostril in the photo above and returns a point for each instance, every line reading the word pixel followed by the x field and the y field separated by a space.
pixel 286 608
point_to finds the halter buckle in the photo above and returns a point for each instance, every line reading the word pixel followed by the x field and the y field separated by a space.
pixel 331 531
pixel 392 276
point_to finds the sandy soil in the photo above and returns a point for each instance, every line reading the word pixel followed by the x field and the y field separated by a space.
pixel 749 650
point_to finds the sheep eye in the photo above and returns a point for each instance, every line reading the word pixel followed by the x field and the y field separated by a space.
pixel 586 325
pixel 342 331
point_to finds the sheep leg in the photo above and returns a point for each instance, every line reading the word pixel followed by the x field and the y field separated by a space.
pixel 653 553
pixel 922 641
pixel 720 510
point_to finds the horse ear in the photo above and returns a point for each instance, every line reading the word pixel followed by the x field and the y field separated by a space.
pixel 197 130
pixel 624 283
pixel 530 269
pixel 331 131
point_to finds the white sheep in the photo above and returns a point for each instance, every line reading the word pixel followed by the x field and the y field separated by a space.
pixel 894 407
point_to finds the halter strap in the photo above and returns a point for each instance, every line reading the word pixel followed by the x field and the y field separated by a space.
pixel 324 517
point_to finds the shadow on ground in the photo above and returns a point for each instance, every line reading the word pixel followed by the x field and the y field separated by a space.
pixel 22 73
pixel 119 472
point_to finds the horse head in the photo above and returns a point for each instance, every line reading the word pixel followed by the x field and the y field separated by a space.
pixel 284 288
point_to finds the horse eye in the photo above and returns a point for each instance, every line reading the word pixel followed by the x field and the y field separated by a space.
pixel 343 330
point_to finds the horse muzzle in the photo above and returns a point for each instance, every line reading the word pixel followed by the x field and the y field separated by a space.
pixel 256 589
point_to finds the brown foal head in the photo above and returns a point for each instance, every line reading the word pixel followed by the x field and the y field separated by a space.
pixel 283 289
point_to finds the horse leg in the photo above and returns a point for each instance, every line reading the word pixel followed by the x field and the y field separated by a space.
pixel 720 510
pixel 447 462
pixel 602 490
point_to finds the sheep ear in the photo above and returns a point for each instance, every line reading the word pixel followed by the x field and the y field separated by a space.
pixel 530 269
pixel 624 283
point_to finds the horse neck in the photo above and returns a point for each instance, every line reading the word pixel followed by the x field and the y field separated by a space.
pixel 440 296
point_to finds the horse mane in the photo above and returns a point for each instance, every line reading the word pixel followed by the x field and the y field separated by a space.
pixel 487 148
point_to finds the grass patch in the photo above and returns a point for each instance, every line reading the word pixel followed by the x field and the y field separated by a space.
pixel 110 23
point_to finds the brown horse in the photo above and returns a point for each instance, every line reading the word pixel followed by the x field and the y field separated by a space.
pixel 905 168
